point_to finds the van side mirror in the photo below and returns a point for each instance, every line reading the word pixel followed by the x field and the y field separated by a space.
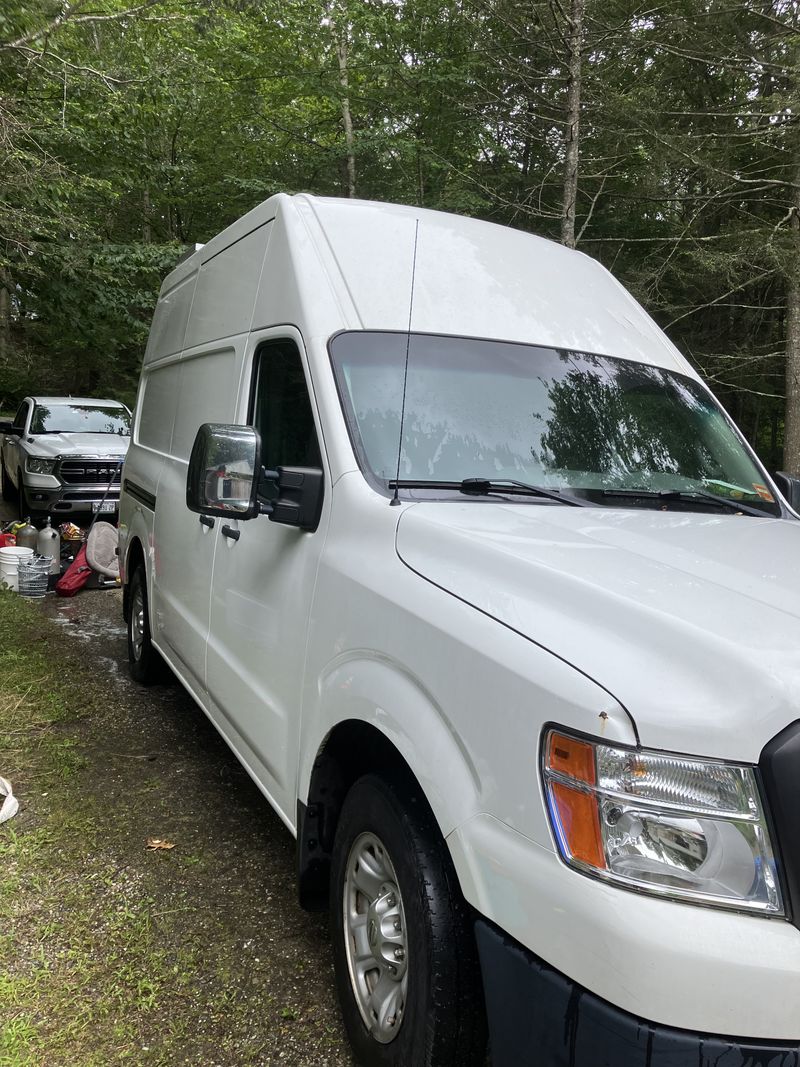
pixel 10 429
pixel 789 486
pixel 225 475
pixel 223 471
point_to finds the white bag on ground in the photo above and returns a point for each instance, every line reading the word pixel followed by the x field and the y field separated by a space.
pixel 10 805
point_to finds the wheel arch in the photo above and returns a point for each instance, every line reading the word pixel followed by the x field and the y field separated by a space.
pixel 377 719
pixel 134 556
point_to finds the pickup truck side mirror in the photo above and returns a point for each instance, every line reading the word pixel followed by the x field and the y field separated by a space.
pixel 789 486
pixel 10 429
pixel 225 474
pixel 223 471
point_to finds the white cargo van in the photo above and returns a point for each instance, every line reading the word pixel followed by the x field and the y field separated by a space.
pixel 502 614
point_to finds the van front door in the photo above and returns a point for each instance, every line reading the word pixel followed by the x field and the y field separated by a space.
pixel 263 585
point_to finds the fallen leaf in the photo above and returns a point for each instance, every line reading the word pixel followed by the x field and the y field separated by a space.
pixel 155 843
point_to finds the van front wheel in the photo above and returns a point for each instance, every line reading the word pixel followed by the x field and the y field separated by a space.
pixel 145 664
pixel 403 941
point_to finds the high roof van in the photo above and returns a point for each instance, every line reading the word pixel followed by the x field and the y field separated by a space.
pixel 501 613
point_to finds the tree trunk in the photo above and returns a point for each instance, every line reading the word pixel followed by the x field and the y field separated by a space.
pixel 347 118
pixel 147 233
pixel 791 438
pixel 5 323
pixel 571 153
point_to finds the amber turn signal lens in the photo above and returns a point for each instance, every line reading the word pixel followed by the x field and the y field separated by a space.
pixel 567 755
pixel 575 810
pixel 579 822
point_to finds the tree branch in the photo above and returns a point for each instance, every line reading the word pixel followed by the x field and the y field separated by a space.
pixel 71 15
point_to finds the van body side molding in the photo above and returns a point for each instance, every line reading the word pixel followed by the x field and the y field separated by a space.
pixel 140 494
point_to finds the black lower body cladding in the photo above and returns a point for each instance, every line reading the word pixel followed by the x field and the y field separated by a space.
pixel 540 1018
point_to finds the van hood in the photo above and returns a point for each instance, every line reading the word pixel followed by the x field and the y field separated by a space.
pixel 691 621
pixel 51 445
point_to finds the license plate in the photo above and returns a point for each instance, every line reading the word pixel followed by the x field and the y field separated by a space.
pixel 105 507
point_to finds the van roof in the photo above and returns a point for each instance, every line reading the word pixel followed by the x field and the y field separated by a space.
pixel 471 278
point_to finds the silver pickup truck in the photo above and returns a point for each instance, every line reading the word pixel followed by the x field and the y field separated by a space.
pixel 62 455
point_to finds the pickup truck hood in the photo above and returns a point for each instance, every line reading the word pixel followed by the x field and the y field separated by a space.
pixel 77 444
pixel 691 621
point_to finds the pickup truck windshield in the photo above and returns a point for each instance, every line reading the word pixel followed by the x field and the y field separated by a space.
pixel 80 418
pixel 560 419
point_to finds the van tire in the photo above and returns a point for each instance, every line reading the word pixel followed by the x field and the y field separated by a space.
pixel 443 1016
pixel 145 664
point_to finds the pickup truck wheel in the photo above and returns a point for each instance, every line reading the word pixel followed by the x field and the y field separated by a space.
pixel 404 948
pixel 9 491
pixel 145 664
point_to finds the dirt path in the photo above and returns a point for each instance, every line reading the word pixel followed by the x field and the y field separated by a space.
pixel 243 976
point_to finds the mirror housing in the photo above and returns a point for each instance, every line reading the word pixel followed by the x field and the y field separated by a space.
pixel 225 474
pixel 790 487
pixel 10 429
pixel 223 471
pixel 299 499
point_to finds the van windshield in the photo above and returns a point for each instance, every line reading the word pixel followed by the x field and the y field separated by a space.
pixel 596 426
pixel 80 418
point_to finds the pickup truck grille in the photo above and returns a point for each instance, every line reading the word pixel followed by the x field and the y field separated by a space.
pixel 89 471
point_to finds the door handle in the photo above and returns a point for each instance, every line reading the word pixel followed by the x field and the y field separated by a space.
pixel 206 520
pixel 228 531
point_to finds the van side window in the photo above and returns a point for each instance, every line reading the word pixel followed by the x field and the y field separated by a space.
pixel 22 414
pixel 282 410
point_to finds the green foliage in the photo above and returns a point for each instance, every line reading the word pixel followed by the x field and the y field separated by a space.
pixel 125 137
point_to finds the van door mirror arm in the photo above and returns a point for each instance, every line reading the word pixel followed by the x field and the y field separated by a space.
pixel 265 507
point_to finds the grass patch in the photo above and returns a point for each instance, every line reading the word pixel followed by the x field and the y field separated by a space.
pixel 83 964
pixel 113 954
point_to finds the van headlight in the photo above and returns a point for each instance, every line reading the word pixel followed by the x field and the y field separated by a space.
pixel 40 466
pixel 671 825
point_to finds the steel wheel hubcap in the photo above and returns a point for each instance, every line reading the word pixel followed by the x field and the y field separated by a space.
pixel 137 623
pixel 375 937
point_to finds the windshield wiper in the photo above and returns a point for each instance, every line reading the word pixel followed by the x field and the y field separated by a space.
pixel 689 496
pixel 484 486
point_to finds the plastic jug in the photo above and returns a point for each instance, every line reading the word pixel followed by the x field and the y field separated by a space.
pixel 49 544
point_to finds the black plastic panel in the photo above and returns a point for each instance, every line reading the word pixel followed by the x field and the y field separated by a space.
pixel 779 767
pixel 540 1018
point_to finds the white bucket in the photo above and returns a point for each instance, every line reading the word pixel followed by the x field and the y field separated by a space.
pixel 9 561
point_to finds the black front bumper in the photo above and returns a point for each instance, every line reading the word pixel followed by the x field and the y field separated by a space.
pixel 540 1018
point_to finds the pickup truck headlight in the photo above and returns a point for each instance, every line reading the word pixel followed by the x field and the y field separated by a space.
pixel 671 825
pixel 40 466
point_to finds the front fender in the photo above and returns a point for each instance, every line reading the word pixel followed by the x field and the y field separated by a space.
pixel 373 689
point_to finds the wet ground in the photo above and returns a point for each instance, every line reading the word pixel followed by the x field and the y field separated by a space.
pixel 160 749
pixel 156 768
